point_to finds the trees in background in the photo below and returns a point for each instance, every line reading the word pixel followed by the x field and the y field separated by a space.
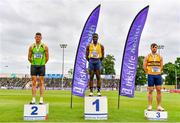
pixel 140 74
pixel 108 65
pixel 172 72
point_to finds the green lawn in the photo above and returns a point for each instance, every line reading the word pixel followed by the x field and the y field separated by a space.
pixel 131 109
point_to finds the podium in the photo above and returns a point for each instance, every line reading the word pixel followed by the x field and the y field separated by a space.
pixel 36 111
pixel 156 115
pixel 95 108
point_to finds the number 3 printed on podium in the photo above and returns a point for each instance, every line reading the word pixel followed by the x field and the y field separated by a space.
pixel 158 115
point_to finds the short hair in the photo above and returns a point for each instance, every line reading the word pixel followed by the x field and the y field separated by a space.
pixel 153 45
pixel 38 33
pixel 95 35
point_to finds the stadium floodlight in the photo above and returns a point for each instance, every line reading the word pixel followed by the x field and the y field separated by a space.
pixel 63 46
pixel 160 47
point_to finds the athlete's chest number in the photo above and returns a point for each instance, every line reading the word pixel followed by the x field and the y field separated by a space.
pixel 38 55
pixel 155 69
pixel 95 54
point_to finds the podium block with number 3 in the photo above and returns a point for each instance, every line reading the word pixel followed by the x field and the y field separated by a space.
pixel 95 108
pixel 156 115
pixel 36 112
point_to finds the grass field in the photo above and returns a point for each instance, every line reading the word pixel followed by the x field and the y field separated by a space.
pixel 131 109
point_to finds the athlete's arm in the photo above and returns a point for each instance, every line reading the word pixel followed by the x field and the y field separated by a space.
pixel 161 62
pixel 46 53
pixel 30 54
pixel 102 51
pixel 145 64
pixel 87 53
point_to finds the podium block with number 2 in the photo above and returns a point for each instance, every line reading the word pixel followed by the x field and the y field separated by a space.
pixel 95 108
pixel 36 112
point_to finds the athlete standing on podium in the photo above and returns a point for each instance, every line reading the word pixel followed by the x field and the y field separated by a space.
pixel 153 65
pixel 94 55
pixel 38 56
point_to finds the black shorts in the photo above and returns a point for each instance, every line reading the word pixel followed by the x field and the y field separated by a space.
pixel 37 70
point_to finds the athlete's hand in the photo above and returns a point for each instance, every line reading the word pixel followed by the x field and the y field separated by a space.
pixel 161 70
pixel 146 71
pixel 30 60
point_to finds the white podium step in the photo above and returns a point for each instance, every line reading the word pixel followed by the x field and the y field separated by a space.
pixel 95 108
pixel 156 115
pixel 36 112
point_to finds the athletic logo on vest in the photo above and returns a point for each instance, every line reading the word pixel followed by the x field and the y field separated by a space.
pixel 38 47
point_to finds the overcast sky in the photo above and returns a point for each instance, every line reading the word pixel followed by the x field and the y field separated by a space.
pixel 62 21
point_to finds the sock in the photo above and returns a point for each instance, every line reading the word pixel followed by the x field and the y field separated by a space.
pixel 33 99
pixel 98 89
pixel 41 99
pixel 91 89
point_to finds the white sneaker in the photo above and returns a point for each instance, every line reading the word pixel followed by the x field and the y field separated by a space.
pixel 99 93
pixel 41 100
pixel 149 108
pixel 33 101
pixel 159 108
pixel 91 94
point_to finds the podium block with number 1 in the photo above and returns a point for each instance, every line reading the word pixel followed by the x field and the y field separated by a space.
pixel 95 108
